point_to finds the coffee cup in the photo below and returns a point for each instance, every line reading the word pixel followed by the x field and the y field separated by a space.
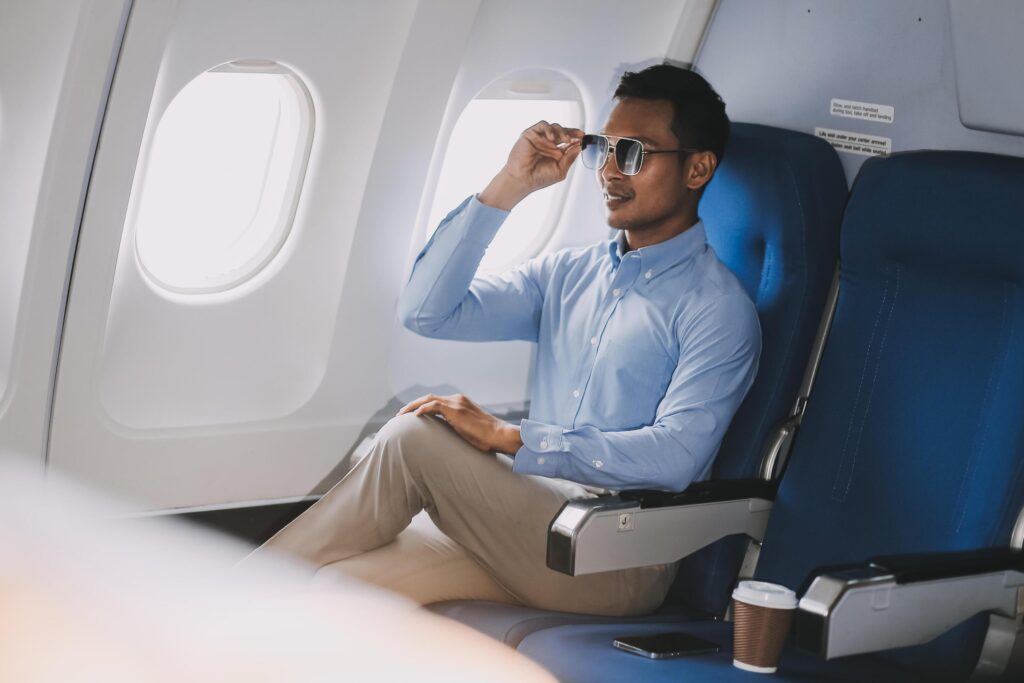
pixel 762 614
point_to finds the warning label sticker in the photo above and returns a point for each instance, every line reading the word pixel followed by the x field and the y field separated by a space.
pixel 855 143
pixel 862 110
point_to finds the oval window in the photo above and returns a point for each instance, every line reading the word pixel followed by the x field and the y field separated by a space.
pixel 479 146
pixel 222 179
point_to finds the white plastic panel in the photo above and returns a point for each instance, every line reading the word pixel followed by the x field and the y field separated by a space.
pixel 178 400
pixel 34 47
pixel 56 61
pixel 989 58
pixel 252 353
pixel 797 57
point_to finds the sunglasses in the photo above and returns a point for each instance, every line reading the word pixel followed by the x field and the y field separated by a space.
pixel 629 153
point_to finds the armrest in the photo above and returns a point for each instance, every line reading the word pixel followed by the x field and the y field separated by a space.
pixel 641 528
pixel 902 600
pixel 917 567
pixel 704 492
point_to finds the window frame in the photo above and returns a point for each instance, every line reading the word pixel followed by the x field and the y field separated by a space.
pixel 257 264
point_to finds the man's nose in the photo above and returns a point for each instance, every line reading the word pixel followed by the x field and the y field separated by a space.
pixel 610 170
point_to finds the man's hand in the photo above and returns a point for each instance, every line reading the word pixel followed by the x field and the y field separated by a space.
pixel 541 156
pixel 478 427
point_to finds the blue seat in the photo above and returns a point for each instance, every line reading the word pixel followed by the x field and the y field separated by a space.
pixel 585 653
pixel 772 214
pixel 913 441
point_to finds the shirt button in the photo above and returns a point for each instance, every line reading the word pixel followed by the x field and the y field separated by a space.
pixel 616 292
pixel 544 443
pixel 576 393
pixel 540 461
pixel 593 341
pixel 648 275
pixel 598 464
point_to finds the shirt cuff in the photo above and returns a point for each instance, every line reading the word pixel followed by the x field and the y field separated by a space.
pixel 483 220
pixel 542 449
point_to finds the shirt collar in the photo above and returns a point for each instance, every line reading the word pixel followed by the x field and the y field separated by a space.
pixel 657 258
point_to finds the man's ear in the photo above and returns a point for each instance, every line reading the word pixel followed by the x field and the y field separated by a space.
pixel 700 168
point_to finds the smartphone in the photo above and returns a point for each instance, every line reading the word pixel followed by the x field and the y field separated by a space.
pixel 665 645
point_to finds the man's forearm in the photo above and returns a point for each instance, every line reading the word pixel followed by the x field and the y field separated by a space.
pixel 503 192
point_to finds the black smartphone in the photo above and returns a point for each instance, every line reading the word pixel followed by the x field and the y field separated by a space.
pixel 665 645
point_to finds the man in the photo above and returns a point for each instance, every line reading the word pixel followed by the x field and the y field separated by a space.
pixel 646 346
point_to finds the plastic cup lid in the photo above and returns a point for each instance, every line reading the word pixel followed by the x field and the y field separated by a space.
pixel 764 594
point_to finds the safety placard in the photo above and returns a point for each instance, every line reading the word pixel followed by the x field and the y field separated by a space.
pixel 855 143
pixel 862 110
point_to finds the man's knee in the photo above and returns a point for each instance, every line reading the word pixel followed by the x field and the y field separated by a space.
pixel 422 443
pixel 415 438
pixel 407 428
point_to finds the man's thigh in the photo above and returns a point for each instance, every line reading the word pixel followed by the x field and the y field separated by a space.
pixel 422 564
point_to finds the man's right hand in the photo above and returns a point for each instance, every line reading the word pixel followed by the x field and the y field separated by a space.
pixel 541 156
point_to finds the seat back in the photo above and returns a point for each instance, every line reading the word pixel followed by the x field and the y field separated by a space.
pixel 772 215
pixel 913 440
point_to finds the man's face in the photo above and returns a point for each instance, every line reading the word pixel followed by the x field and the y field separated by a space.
pixel 658 195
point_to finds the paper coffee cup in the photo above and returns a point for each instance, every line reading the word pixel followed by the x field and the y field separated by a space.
pixel 762 614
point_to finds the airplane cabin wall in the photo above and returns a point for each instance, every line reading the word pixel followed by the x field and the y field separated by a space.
pixel 178 400
pixel 782 64
pixel 56 63
pixel 259 392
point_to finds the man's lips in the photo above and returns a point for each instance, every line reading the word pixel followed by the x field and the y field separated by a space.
pixel 613 199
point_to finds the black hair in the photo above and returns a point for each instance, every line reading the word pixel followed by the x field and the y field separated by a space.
pixel 698 120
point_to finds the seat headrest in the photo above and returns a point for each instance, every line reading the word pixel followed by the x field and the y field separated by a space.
pixel 937 210
pixel 765 207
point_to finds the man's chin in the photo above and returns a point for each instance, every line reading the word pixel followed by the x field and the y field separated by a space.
pixel 616 220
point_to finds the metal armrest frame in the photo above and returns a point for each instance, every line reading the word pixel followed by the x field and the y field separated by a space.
pixel 906 600
pixel 642 528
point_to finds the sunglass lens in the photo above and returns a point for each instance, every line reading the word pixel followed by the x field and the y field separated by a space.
pixel 628 155
pixel 594 150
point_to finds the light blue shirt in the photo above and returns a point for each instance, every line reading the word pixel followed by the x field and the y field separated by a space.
pixel 642 357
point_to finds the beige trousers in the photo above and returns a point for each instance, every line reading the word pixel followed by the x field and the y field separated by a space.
pixel 486 536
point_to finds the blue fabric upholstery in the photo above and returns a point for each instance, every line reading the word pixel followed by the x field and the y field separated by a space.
pixel 772 214
pixel 509 624
pixel 912 440
pixel 584 654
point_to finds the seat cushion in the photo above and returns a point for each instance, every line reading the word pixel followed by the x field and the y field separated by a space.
pixel 509 624
pixel 585 654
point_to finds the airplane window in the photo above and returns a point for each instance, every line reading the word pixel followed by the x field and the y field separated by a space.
pixel 222 179
pixel 479 146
